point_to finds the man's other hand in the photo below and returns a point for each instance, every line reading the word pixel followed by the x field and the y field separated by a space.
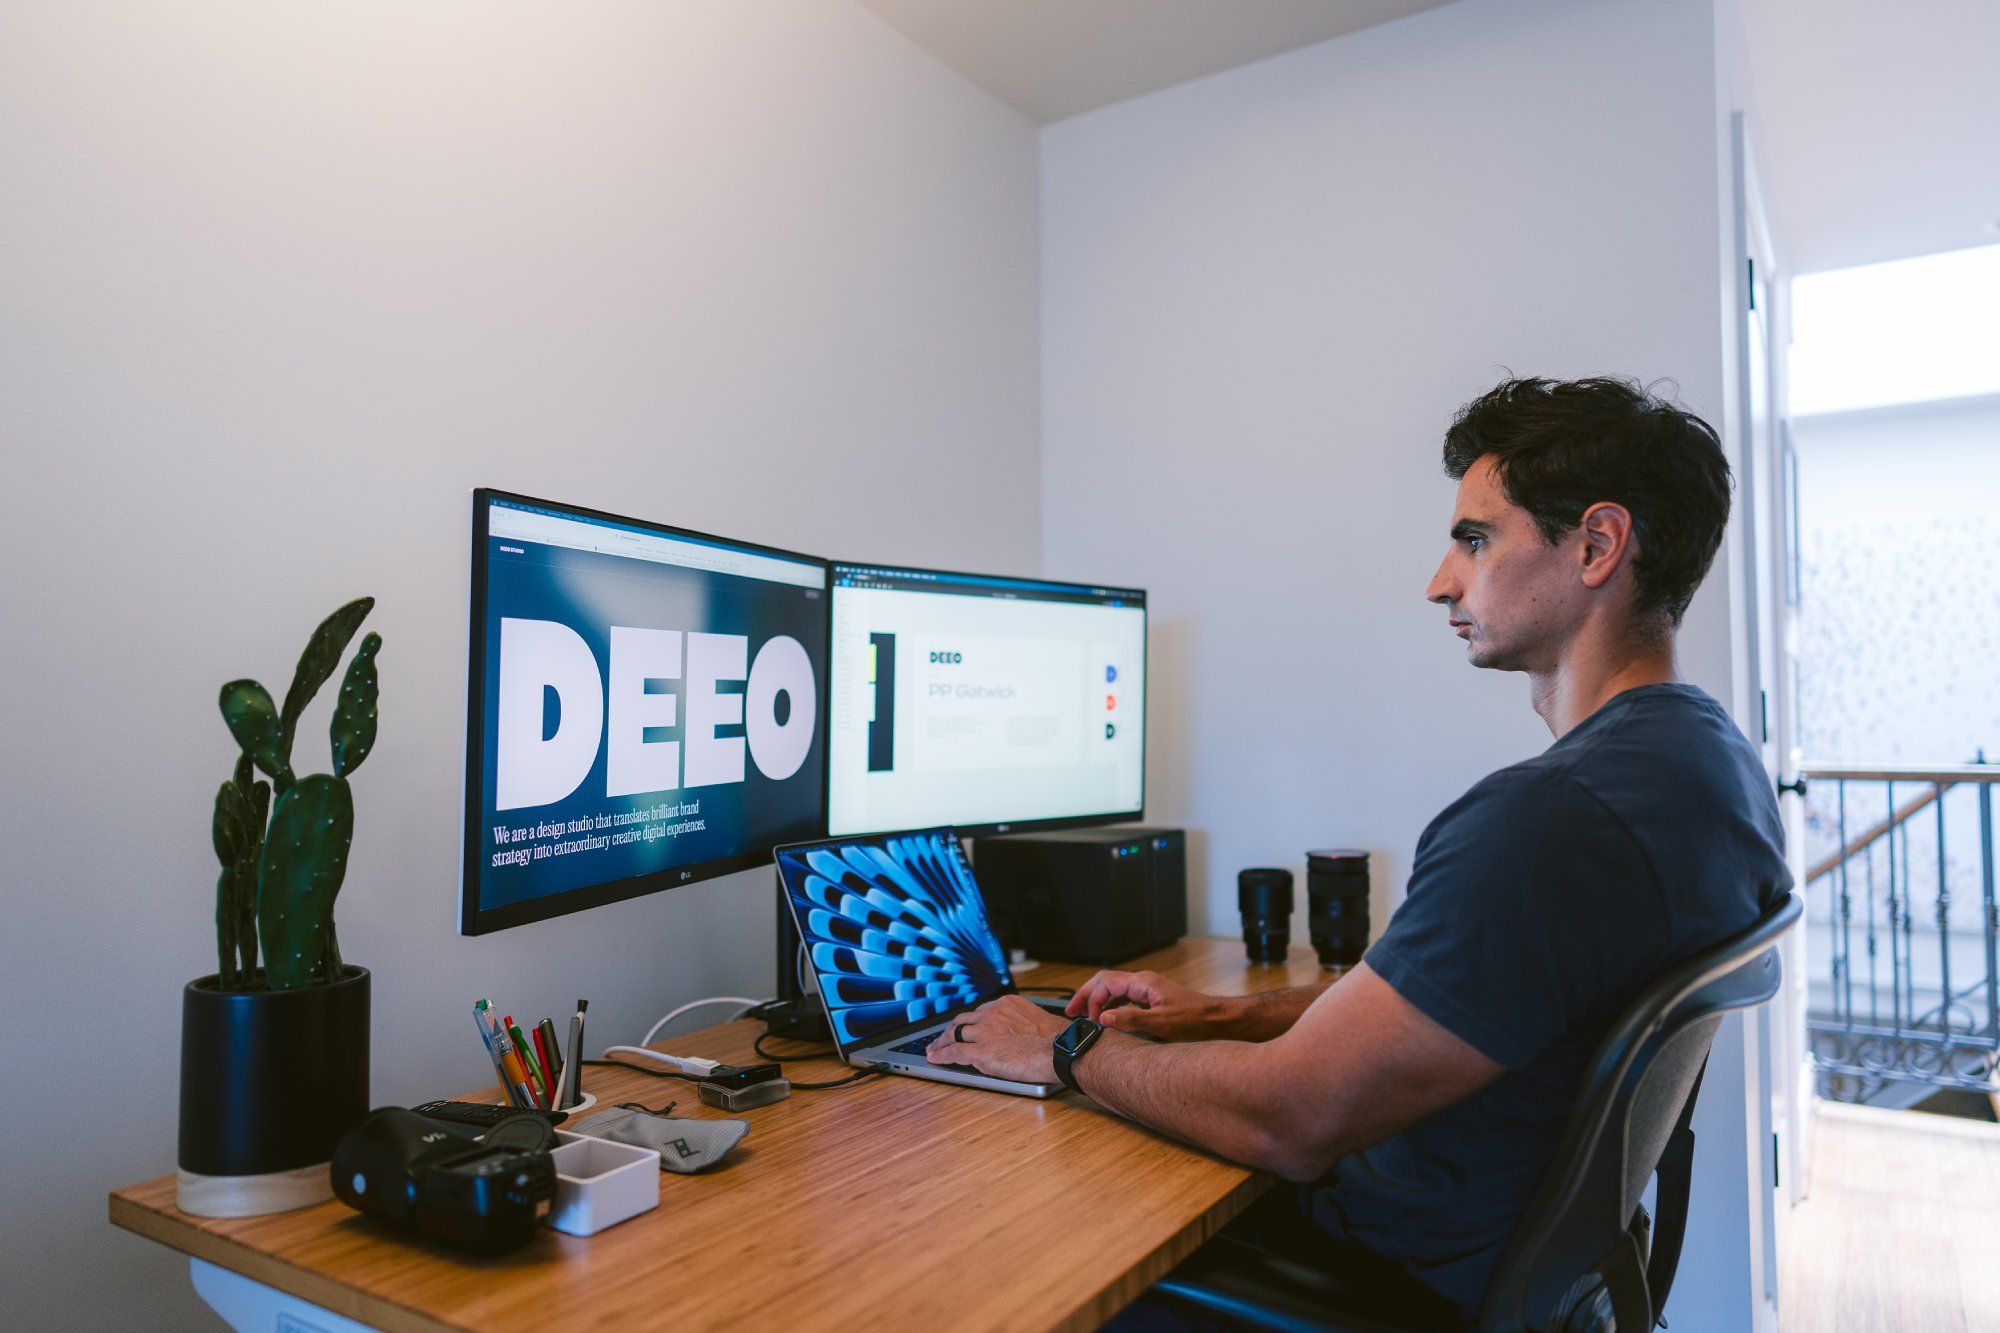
pixel 1007 1038
pixel 1150 1005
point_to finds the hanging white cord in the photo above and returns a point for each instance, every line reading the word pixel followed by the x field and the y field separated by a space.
pixel 746 1003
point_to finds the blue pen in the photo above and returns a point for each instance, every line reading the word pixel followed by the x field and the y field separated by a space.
pixel 496 1048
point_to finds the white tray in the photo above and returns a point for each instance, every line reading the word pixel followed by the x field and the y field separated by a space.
pixel 600 1183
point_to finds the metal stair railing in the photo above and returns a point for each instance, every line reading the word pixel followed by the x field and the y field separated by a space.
pixel 1903 1030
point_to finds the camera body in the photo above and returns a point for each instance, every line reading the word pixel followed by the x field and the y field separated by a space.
pixel 437 1179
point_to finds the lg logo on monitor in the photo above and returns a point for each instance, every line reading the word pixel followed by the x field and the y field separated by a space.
pixel 540 657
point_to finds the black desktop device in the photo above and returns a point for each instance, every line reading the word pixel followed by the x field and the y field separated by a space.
pixel 1099 895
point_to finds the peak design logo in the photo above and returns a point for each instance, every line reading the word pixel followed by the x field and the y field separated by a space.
pixel 544 663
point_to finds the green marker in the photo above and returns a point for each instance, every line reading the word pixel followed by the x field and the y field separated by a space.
pixel 527 1050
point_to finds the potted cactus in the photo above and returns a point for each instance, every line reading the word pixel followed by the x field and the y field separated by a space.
pixel 274 1045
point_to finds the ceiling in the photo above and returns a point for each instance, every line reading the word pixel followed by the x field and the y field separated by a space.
pixel 1879 126
pixel 1055 58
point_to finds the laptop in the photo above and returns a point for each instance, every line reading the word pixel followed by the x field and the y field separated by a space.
pixel 895 930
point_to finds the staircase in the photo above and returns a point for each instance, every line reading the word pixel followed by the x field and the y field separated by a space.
pixel 1903 931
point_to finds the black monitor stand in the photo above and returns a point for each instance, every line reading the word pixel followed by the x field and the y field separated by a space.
pixel 789 988
pixel 798 1013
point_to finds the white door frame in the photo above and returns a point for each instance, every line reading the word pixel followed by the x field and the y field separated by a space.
pixel 1781 1117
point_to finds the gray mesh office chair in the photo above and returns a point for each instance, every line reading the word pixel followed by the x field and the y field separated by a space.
pixel 1579 1259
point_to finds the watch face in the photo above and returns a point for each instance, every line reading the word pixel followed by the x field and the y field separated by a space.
pixel 1076 1036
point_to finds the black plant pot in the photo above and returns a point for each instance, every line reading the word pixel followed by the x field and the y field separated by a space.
pixel 270 1080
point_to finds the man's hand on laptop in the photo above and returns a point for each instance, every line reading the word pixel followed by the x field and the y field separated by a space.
pixel 1150 1005
pixel 1007 1038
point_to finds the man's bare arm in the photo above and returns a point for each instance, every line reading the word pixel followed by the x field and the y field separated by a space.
pixel 1359 1065
pixel 1269 1013
pixel 1156 1006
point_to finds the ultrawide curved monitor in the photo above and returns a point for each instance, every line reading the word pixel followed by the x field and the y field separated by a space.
pixel 645 708
pixel 992 704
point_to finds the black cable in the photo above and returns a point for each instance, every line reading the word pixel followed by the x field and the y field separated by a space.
pixel 840 1082
pixel 757 1045
pixel 1050 990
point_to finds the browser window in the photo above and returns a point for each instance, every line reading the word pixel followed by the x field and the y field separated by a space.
pixel 981 701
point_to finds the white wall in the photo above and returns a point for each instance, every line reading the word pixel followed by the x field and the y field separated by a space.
pixel 1908 464
pixel 1263 296
pixel 278 286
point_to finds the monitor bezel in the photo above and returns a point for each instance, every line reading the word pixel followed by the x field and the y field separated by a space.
pixel 474 920
pixel 997 827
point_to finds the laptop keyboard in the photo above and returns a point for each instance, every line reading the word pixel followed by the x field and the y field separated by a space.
pixel 918 1045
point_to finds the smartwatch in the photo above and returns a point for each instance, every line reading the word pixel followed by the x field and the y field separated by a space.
pixel 1071 1043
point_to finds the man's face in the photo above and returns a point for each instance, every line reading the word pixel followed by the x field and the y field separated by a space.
pixel 1512 597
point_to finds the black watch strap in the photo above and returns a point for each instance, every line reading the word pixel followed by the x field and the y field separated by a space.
pixel 1071 1045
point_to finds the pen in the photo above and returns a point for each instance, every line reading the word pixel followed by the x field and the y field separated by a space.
pixel 535 1083
pixel 517 1073
pixel 572 1088
pixel 496 1046
pixel 545 1046
pixel 486 1039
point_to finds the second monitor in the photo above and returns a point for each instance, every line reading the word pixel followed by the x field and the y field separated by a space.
pixel 988 703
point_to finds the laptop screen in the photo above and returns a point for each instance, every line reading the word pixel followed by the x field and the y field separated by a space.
pixel 895 928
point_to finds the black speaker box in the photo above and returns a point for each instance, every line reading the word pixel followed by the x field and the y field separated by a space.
pixel 1097 895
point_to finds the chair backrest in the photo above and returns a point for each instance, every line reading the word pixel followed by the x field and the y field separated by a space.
pixel 1635 1099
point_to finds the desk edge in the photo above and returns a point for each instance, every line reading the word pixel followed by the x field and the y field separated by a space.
pixel 1128 1286
pixel 196 1242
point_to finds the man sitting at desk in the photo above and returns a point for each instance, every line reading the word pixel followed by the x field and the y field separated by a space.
pixel 1422 1094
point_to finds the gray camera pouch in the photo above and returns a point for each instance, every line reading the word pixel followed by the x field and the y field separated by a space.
pixel 684 1145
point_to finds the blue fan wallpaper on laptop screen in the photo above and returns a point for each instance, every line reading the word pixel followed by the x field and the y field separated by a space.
pixel 895 927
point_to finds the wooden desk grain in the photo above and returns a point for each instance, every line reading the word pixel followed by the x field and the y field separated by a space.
pixel 952 1207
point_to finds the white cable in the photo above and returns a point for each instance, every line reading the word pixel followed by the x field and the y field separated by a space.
pixel 654 1030
pixel 687 1064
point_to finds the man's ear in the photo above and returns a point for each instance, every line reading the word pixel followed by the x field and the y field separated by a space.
pixel 1607 542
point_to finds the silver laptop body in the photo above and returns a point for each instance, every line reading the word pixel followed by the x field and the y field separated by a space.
pixel 895 932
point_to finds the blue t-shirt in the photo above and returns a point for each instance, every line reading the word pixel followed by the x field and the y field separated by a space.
pixel 1539 904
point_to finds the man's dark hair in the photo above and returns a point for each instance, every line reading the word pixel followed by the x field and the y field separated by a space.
pixel 1562 446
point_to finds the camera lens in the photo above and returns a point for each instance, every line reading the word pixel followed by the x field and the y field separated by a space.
pixel 1264 896
pixel 1337 905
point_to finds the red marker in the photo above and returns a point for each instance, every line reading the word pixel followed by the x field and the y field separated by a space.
pixel 539 1098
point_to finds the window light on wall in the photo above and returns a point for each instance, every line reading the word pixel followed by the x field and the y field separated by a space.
pixel 1908 331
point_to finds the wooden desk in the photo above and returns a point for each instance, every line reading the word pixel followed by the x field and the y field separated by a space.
pixel 892 1204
